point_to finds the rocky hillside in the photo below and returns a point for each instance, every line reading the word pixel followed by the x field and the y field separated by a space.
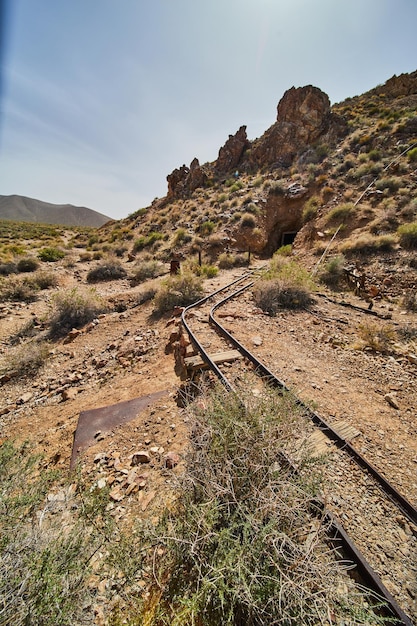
pixel 23 209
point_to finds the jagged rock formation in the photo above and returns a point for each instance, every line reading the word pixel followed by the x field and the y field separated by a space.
pixel 183 181
pixel 303 118
pixel 397 86
pixel 231 153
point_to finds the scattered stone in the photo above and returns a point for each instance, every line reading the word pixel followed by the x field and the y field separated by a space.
pixel 116 494
pixel 69 394
pixel 171 460
pixel 257 341
pixel 24 398
pixel 140 457
pixel 412 358
pixel 391 401
pixel 72 335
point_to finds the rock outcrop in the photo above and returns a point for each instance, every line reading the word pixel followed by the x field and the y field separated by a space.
pixel 230 155
pixel 303 117
pixel 183 181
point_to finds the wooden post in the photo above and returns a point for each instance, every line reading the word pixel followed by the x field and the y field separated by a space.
pixel 199 257
pixel 248 256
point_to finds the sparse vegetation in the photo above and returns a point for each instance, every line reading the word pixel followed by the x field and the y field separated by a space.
pixel 368 244
pixel 340 212
pixel 26 359
pixel 408 235
pixel 279 293
pixel 108 270
pixel 144 271
pixel 44 561
pixel 232 549
pixel 376 337
pixel 26 265
pixel 332 271
pixel 51 254
pixel 147 241
pixel 310 209
pixel 74 309
pixel 178 291
pixel 248 221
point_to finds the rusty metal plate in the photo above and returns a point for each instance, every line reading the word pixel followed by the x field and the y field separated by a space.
pixel 106 418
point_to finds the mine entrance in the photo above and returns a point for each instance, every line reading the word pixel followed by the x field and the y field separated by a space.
pixel 288 238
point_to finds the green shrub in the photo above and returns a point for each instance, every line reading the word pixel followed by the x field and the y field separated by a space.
pixel 284 250
pixel 392 183
pixel 28 264
pixel 108 270
pixel 178 291
pixel 412 155
pixel 74 309
pixel 51 254
pixel 206 228
pixel 144 242
pixel 332 272
pixel 208 271
pixel 341 212
pixel 408 235
pixel 310 209
pixel 368 244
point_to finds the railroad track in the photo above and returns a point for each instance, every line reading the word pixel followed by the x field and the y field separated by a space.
pixel 389 512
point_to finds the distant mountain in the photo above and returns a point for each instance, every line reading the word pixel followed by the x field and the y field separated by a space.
pixel 22 209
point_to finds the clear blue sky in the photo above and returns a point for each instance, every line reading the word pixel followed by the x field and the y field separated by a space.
pixel 101 99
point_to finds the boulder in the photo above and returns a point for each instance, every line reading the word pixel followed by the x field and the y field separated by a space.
pixel 303 117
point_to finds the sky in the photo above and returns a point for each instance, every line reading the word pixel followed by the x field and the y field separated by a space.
pixel 101 99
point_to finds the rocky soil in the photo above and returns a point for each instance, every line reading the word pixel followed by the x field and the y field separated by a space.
pixel 123 355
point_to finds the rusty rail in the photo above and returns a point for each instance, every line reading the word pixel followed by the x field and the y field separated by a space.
pixel 339 537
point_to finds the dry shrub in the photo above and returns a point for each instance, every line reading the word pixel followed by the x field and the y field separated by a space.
pixel 74 309
pixel 228 261
pixel 280 293
pixel 106 271
pixel 175 291
pixel 145 271
pixel 26 359
pixel 409 300
pixel 376 337
pixel 241 545
pixel 368 244
pixel 332 272
pixel 16 288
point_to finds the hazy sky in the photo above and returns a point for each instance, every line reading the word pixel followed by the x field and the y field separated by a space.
pixel 101 99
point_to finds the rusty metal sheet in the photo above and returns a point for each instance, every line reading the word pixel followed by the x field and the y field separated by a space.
pixel 106 418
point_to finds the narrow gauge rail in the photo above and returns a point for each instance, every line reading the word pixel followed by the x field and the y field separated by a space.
pixel 339 537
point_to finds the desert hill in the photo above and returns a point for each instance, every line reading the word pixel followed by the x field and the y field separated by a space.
pixel 22 209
